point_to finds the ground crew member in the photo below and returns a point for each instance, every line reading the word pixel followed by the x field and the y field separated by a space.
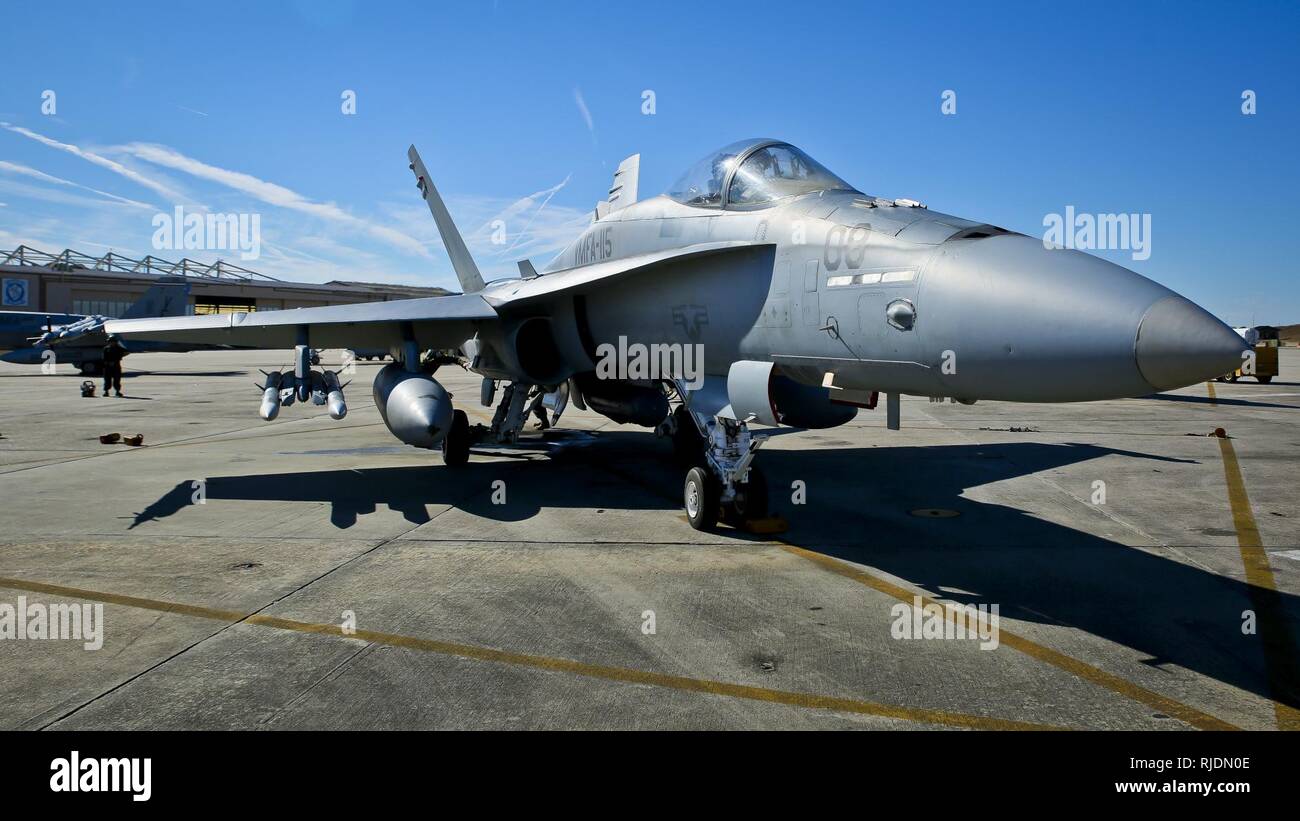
pixel 113 353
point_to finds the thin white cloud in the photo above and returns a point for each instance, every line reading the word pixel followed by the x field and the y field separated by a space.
pixel 192 110
pixel 62 196
pixel 586 113
pixel 517 207
pixel 546 198
pixel 295 245
pixel 551 230
pixel 104 162
pixel 270 193
pixel 15 168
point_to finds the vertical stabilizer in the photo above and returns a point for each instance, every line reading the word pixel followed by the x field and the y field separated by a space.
pixel 622 192
pixel 169 296
pixel 466 271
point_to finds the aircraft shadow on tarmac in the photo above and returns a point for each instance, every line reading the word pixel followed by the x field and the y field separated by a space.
pixel 412 490
pixel 135 374
pixel 859 503
pixel 1205 400
pixel 1040 571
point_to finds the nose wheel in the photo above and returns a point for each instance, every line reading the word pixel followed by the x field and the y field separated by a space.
pixel 702 493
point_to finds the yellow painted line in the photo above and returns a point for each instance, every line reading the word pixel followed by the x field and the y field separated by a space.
pixel 1279 646
pixel 1209 389
pixel 1083 670
pixel 598 671
pixel 1088 672
pixel 126 601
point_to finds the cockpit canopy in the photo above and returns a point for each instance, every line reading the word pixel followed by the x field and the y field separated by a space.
pixel 751 174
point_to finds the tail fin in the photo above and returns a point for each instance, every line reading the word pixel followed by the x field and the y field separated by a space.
pixel 623 191
pixel 169 296
pixel 466 271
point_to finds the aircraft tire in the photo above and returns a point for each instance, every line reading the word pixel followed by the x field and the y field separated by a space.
pixel 455 445
pixel 1264 380
pixel 700 497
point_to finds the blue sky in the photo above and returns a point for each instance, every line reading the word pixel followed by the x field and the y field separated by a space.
pixel 235 107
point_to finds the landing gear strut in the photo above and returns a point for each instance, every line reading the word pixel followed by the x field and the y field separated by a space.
pixel 721 479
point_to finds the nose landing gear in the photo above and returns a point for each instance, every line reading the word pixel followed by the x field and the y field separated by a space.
pixel 721 481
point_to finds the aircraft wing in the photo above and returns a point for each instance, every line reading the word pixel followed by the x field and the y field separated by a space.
pixel 439 322
pixel 444 321
pixel 601 273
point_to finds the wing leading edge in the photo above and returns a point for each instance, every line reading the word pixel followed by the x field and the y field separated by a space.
pixel 444 321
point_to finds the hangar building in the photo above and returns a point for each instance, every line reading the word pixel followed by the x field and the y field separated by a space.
pixel 77 283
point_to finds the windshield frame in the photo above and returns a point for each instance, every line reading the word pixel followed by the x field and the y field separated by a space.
pixel 731 154
pixel 744 156
pixel 743 151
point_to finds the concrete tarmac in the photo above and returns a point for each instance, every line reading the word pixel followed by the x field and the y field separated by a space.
pixel 306 573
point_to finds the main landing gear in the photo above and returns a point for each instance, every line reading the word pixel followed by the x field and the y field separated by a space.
pixel 721 481
pixel 455 445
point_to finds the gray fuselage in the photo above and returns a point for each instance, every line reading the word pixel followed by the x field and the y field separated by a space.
pixel 995 315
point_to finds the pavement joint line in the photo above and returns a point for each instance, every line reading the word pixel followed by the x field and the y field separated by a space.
pixel 549 663
pixel 241 618
pixel 231 618
pixel 1274 631
pixel 1168 706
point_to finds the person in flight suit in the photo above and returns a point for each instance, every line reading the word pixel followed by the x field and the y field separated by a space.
pixel 113 353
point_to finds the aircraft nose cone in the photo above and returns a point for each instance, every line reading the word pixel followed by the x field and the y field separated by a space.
pixel 1180 344
pixel 1025 323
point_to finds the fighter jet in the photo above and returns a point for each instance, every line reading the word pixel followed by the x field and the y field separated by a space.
pixel 33 338
pixel 759 290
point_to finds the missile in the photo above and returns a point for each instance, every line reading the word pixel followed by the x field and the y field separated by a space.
pixel 280 390
pixel 270 407
pixel 338 407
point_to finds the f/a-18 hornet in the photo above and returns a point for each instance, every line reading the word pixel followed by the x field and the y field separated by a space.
pixel 761 289
pixel 32 338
